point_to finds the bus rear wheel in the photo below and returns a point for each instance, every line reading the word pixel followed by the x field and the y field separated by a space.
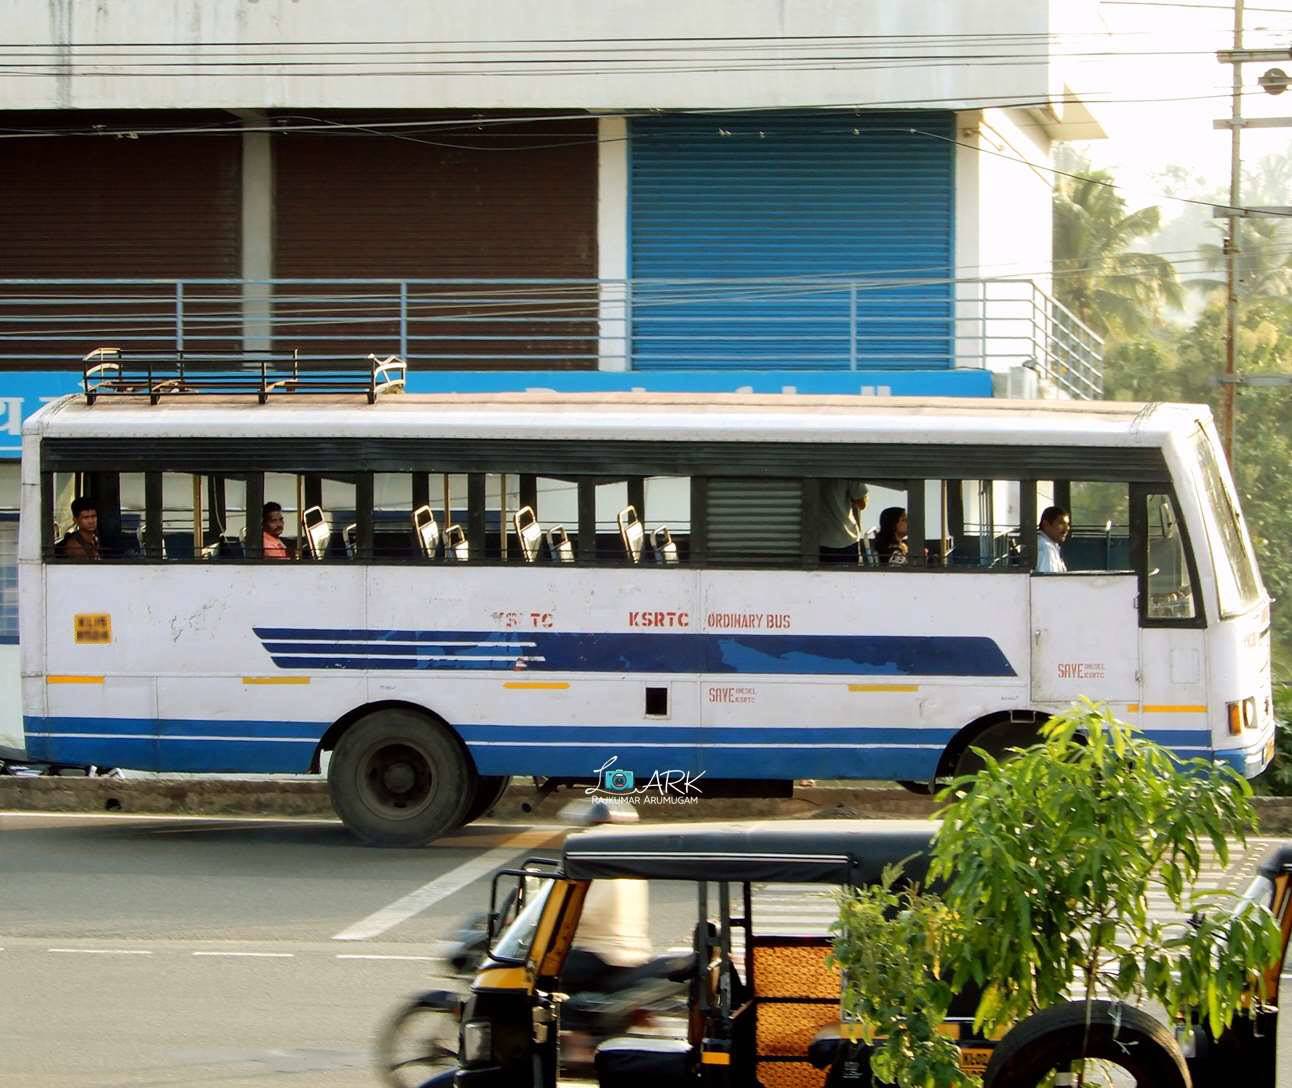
pixel 398 778
pixel 996 740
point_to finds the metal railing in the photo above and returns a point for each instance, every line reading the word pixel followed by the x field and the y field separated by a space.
pixel 803 323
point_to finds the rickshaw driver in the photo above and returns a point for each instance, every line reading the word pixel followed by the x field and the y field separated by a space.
pixel 613 938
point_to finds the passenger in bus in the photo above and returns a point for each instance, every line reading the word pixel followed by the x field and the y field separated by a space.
pixel 890 541
pixel 82 541
pixel 842 502
pixel 271 524
pixel 1056 524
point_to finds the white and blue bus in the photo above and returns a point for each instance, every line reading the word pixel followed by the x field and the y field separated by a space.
pixel 606 587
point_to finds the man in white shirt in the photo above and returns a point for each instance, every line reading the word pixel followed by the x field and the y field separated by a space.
pixel 1055 526
pixel 842 502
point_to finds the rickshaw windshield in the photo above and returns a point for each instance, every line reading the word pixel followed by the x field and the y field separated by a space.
pixel 515 941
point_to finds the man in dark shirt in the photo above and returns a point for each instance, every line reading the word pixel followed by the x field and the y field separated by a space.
pixel 82 542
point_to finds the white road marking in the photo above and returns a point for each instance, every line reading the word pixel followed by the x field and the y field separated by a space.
pixel 103 951
pixel 358 956
pixel 440 888
pixel 173 818
pixel 255 955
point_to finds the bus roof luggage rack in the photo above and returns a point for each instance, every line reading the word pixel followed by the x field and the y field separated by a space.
pixel 114 372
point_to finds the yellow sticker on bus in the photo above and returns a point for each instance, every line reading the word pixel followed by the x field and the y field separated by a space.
pixel 92 628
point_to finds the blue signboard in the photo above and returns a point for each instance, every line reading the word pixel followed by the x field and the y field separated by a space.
pixel 23 392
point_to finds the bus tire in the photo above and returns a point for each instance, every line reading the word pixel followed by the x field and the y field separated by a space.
pixel 1125 1036
pixel 996 740
pixel 398 778
pixel 489 791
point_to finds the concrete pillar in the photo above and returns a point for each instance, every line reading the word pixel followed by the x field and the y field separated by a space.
pixel 970 327
pixel 257 234
pixel 615 311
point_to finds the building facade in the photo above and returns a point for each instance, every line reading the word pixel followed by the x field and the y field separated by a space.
pixel 824 196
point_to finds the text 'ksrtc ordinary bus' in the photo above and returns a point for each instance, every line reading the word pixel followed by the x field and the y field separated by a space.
pixel 607 587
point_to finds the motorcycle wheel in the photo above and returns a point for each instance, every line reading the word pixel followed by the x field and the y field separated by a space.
pixel 418 1042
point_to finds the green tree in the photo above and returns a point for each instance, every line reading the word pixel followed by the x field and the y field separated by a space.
pixel 1114 289
pixel 1049 861
pixel 891 945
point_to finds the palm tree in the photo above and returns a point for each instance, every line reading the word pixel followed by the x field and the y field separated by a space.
pixel 1098 276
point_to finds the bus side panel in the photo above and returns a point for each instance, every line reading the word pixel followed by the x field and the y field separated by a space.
pixel 855 673
pixel 160 666
pixel 545 669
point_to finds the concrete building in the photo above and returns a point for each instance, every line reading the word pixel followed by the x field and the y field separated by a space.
pixel 769 194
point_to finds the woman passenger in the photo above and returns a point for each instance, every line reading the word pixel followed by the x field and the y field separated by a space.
pixel 890 540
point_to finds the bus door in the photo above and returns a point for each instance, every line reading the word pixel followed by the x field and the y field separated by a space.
pixel 1172 631
pixel 1085 639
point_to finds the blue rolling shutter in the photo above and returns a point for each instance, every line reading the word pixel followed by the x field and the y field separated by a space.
pixel 790 216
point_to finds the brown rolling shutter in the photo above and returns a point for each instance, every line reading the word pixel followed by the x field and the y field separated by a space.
pixel 76 207
pixel 469 202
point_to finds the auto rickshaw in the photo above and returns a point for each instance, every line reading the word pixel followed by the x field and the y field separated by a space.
pixel 770 1016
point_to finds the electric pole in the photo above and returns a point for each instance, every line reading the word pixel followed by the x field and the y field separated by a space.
pixel 1275 81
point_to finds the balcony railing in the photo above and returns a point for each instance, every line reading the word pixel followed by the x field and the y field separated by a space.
pixel 808 323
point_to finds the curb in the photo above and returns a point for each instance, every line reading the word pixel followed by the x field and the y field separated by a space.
pixel 309 798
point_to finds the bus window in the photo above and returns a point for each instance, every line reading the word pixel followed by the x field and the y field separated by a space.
pixel 1100 538
pixel 187 529
pixel 392 513
pixel 1166 565
pixel 288 491
pixel 667 517
pixel 1236 575
pixel 331 517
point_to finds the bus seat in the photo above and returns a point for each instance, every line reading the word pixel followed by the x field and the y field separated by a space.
pixel 528 532
pixel 318 533
pixel 662 546
pixel 631 532
pixel 559 547
pixel 427 531
pixel 455 543
pixel 351 541
pixel 177 545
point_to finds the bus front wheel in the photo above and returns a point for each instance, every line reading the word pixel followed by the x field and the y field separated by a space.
pixel 397 778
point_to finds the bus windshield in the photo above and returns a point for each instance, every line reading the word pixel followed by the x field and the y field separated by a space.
pixel 1236 576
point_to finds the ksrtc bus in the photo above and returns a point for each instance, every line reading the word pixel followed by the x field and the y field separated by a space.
pixel 625 590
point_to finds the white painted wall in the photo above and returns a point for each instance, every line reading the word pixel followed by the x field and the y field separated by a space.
pixel 415 73
pixel 1004 232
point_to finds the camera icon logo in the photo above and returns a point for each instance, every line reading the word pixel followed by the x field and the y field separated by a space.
pixel 620 781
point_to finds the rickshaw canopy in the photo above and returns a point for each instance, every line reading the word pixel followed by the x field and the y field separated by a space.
pixel 799 851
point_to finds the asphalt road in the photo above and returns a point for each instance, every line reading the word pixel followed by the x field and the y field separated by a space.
pixel 244 953
pixel 230 953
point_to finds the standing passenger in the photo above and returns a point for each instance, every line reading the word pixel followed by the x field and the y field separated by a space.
pixel 842 502
pixel 82 541
pixel 271 523
pixel 1055 526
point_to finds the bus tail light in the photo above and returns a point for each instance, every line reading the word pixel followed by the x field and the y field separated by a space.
pixel 1235 713
pixel 1242 715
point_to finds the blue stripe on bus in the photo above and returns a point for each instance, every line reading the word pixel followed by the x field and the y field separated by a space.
pixel 648 652
pixel 786 751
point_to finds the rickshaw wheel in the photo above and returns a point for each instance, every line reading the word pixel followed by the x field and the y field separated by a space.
pixel 489 791
pixel 1131 1047
pixel 418 1042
